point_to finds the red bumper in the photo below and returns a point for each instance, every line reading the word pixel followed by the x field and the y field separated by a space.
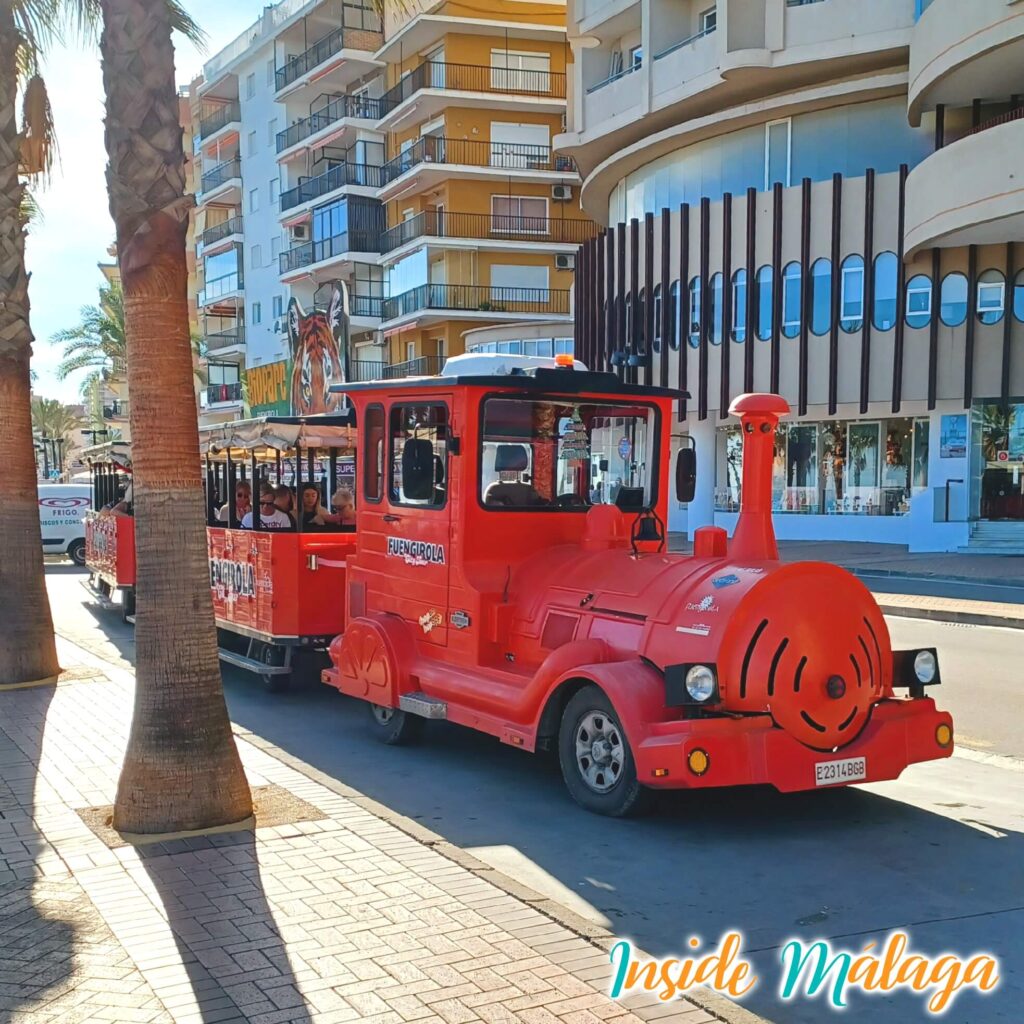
pixel 752 751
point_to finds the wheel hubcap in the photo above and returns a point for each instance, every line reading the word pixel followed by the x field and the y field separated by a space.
pixel 382 714
pixel 600 751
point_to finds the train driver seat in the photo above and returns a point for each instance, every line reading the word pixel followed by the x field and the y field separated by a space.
pixel 509 461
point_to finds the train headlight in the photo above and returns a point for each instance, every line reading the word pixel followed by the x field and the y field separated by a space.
pixel 700 683
pixel 925 666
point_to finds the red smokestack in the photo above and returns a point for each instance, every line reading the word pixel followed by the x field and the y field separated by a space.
pixel 754 537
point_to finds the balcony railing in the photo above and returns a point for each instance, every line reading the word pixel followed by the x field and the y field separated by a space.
pixel 345 106
pixel 224 339
pixel 224 393
pixel 332 43
pixel 686 42
pixel 509 228
pixel 423 366
pixel 221 173
pixel 308 253
pixel 993 122
pixel 433 74
pixel 219 287
pixel 215 121
pixel 516 156
pixel 232 226
pixel 628 70
pixel 366 369
pixel 534 301
pixel 366 305
pixel 116 410
pixel 309 189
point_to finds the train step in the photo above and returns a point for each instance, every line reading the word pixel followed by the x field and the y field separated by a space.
pixel 423 705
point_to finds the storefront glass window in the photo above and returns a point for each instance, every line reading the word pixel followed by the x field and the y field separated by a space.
pixel 715 308
pixel 919 300
pixel 991 295
pixel 883 316
pixel 739 306
pixel 656 344
pixel 998 460
pixel 851 294
pixel 953 300
pixel 1018 296
pixel 764 303
pixel 821 296
pixel 791 300
pixel 693 335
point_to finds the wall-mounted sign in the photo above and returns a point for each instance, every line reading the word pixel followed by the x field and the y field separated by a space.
pixel 268 389
pixel 953 437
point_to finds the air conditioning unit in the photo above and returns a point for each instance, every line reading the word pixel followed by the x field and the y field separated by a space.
pixel 561 193
pixel 300 233
pixel 565 261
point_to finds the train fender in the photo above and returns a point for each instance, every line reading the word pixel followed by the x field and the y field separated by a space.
pixel 374 657
pixel 635 688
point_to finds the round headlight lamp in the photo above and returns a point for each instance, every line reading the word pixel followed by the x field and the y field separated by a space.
pixel 924 666
pixel 700 683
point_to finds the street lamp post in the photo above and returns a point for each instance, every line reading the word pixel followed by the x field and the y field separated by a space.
pixel 46 458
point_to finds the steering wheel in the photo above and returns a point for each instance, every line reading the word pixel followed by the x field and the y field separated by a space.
pixel 570 500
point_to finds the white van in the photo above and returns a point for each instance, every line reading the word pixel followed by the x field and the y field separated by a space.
pixel 62 509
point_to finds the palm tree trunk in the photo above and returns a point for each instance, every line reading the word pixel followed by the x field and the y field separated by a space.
pixel 27 650
pixel 181 768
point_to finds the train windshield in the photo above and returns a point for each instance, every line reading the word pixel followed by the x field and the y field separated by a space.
pixel 550 454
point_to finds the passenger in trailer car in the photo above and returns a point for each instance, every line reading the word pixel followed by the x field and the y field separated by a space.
pixel 271 518
pixel 243 504
pixel 313 513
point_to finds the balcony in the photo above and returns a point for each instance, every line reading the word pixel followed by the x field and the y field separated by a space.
pixel 218 394
pixel 522 159
pixel 424 366
pixel 323 50
pixel 220 232
pixel 477 298
pixel 224 180
pixel 366 369
pixel 309 189
pixel 219 119
pixel 337 247
pixel 219 289
pixel 234 337
pixel 360 108
pixel 568 232
pixel 367 306
pixel 116 410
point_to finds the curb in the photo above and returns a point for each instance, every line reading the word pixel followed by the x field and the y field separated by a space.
pixel 929 577
pixel 950 615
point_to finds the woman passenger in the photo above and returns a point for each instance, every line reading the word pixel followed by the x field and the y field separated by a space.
pixel 243 504
pixel 344 508
pixel 312 511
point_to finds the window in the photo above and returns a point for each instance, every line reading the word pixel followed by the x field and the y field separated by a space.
pixel 566 455
pixel 821 296
pixel 254 200
pixel 694 324
pixel 636 57
pixel 275 247
pixel 252 144
pixel 991 297
pixel 919 301
pixel 275 190
pixel 715 308
pixel 419 449
pixel 272 132
pixel 953 300
pixel 675 333
pixel 520 146
pixel 271 72
pixel 257 312
pixel 278 306
pixel 1018 296
pixel 883 316
pixel 519 215
pixel 250 85
pixel 223 373
pixel 791 299
pixel 739 306
pixel 373 453
pixel 708 20
pixel 256 256
pixel 777 145
pixel 641 321
pixel 851 293
pixel 656 342
pixel 764 303
pixel 520 71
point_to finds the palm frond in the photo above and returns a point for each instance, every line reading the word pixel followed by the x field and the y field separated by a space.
pixel 38 138
pixel 29 210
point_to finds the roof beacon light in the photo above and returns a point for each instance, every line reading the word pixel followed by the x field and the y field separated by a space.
pixel 564 360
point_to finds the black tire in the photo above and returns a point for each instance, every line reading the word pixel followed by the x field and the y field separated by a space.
pixel 127 604
pixel 610 788
pixel 394 726
pixel 273 682
pixel 76 552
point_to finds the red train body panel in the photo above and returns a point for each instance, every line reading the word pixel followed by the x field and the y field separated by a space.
pixel 110 548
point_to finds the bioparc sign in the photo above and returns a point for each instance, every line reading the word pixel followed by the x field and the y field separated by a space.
pixel 268 388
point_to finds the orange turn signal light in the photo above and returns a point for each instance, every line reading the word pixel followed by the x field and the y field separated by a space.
pixel 698 761
pixel 943 735
pixel 660 773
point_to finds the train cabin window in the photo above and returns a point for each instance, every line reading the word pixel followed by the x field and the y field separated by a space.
pixel 373 460
pixel 564 454
pixel 419 455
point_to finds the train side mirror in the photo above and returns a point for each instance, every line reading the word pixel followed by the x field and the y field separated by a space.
pixel 686 474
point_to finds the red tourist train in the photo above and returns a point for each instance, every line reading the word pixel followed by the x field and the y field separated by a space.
pixel 110 534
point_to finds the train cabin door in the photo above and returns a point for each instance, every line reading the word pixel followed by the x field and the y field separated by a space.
pixel 406 515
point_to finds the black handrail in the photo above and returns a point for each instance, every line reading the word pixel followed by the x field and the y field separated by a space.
pixel 305 255
pixel 215 121
pixel 518 156
pixel 477 297
pixel 512 228
pixel 232 226
pixel 330 44
pixel 221 173
pixel 362 107
pixel 422 366
pixel 224 339
pixel 343 174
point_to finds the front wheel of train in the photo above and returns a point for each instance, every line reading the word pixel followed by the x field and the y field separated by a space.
pixel 273 656
pixel 597 762
pixel 394 726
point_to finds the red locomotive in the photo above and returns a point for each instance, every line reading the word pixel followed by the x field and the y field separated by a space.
pixel 510 574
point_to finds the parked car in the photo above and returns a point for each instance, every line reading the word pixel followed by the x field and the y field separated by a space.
pixel 62 509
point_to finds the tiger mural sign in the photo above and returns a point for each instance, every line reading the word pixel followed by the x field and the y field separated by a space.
pixel 318 344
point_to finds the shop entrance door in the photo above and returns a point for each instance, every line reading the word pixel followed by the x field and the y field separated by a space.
pixel 1001 435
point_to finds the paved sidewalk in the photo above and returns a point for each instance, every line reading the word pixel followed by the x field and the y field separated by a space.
pixel 343 916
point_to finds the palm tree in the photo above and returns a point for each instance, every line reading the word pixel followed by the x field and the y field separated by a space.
pixel 181 768
pixel 57 423
pixel 27 649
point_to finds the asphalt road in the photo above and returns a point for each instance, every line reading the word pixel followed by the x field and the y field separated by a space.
pixel 940 852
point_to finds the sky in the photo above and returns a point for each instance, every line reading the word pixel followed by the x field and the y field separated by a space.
pixel 75 231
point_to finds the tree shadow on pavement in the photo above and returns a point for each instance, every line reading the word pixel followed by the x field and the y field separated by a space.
pixel 229 943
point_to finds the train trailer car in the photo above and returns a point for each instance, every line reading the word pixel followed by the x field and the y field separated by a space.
pixel 510 574
pixel 110 529
pixel 277 592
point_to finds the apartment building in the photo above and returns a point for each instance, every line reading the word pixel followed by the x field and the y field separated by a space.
pixel 410 158
pixel 819 199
